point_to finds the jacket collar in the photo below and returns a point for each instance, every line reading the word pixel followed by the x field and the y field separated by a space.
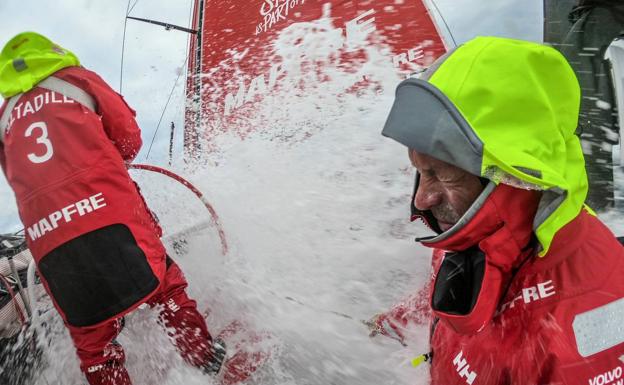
pixel 485 249
pixel 500 222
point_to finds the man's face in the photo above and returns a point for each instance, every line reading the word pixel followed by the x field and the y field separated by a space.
pixel 447 191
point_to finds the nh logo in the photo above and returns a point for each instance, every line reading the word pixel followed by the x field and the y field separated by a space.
pixel 172 305
pixel 463 369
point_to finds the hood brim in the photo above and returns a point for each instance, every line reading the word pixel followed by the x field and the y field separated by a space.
pixel 425 120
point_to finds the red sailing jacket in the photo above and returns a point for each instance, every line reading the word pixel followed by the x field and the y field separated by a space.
pixel 558 320
pixel 66 165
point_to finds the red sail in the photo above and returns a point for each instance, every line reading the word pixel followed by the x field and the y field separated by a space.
pixel 247 50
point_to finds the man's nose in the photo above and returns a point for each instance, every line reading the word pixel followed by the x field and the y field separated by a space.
pixel 427 196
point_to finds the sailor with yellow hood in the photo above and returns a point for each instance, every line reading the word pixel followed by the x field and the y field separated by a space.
pixel 528 284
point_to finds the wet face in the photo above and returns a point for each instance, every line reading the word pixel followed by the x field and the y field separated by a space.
pixel 447 191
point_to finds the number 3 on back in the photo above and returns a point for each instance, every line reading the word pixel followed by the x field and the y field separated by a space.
pixel 41 139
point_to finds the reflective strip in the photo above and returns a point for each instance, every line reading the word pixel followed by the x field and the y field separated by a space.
pixel 19 64
pixel 599 329
pixel 69 90
pixel 51 84
pixel 550 201
pixel 6 115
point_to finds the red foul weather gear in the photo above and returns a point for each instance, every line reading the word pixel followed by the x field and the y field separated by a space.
pixel 557 321
pixel 95 242
pixel 102 358
pixel 521 319
pixel 66 165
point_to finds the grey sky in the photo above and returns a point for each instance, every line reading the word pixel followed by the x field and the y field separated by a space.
pixel 518 19
pixel 155 57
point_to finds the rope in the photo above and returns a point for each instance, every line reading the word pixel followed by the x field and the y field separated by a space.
pixel 340 314
pixel 20 288
pixel 13 298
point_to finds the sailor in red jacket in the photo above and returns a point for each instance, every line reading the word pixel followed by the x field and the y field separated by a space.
pixel 65 138
pixel 528 283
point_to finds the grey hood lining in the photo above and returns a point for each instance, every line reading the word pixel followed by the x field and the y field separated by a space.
pixel 550 201
pixel 467 217
pixel 424 119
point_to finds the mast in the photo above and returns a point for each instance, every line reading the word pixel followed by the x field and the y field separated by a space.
pixel 193 92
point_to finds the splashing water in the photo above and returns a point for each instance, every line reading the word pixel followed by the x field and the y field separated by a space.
pixel 315 205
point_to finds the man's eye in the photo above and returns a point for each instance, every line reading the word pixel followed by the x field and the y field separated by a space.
pixel 447 178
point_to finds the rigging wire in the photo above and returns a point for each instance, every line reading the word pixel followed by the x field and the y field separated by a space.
pixel 444 21
pixel 123 41
pixel 185 71
pixel 165 109
pixel 131 8
pixel 123 46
